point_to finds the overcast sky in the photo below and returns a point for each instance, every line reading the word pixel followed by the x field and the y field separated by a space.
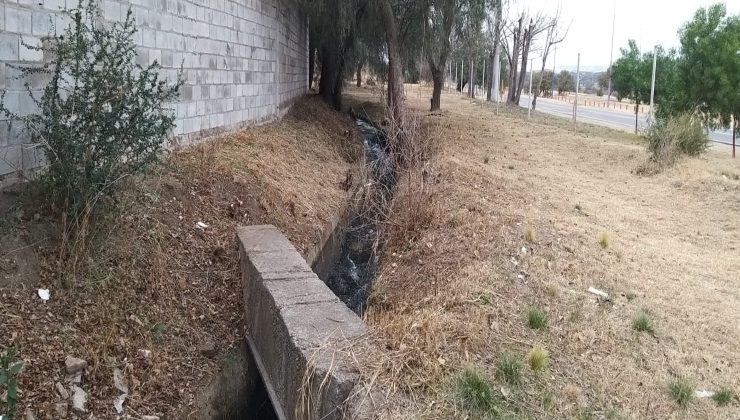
pixel 649 22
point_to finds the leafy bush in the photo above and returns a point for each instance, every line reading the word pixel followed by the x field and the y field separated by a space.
pixel 101 117
pixel 9 370
pixel 667 139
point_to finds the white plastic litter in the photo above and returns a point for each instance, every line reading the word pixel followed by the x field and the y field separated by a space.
pixel 201 225
pixel 703 393
pixel 118 403
pixel 598 292
pixel 44 294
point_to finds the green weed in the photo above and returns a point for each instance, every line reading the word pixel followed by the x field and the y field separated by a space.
pixel 681 391
pixel 643 322
pixel 474 392
pixel 723 396
pixel 536 318
pixel 509 368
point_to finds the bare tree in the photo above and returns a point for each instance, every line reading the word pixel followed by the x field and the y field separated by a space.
pixel 555 35
pixel 513 33
pixel 522 39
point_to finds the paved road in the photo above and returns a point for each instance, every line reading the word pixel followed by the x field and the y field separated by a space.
pixel 609 118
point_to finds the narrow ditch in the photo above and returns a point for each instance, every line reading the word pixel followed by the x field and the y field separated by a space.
pixel 353 270
pixel 240 392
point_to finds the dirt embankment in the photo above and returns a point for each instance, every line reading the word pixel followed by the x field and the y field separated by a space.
pixel 153 279
pixel 523 210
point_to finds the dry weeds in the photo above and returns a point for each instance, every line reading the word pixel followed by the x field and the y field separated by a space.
pixel 155 281
pixel 673 249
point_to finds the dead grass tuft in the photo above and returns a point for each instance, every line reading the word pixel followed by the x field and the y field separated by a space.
pixel 538 359
pixel 529 234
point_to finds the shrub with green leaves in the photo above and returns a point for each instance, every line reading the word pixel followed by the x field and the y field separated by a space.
pixel 101 117
pixel 9 370
pixel 667 139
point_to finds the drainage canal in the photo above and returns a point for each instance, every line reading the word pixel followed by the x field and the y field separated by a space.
pixel 239 392
pixel 353 270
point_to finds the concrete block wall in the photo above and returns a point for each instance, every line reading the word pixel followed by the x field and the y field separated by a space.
pixel 244 61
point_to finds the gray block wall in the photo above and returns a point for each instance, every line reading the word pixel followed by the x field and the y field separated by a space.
pixel 244 61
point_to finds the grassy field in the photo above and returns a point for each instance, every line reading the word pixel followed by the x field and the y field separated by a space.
pixel 486 313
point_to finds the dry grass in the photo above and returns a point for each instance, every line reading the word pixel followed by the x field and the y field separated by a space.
pixel 675 254
pixel 154 281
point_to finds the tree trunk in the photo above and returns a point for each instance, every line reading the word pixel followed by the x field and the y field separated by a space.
pixel 359 75
pixel 311 59
pixel 489 88
pixel 497 54
pixel 542 76
pixel 526 43
pixel 471 84
pixel 438 78
pixel 637 108
pixel 395 66
pixel 328 73
pixel 514 64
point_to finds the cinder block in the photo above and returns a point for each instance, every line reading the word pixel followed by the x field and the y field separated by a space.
pixel 17 20
pixel 148 37
pixel 27 51
pixel 9 47
pixel 112 11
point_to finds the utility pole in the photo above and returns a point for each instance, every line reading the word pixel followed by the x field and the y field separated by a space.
pixel 497 54
pixel 484 80
pixel 575 103
pixel 611 55
pixel 652 85
pixel 471 86
pixel 554 75
pixel 734 134
pixel 531 76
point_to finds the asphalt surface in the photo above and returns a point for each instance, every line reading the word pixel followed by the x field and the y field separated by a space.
pixel 610 118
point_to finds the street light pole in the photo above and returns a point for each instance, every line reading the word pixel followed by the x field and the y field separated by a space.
pixel 531 75
pixel 575 103
pixel 554 75
pixel 611 55
pixel 652 85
